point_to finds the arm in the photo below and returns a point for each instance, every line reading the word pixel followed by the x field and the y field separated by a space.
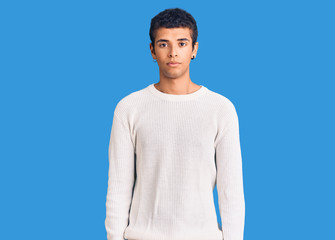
pixel 120 179
pixel 229 176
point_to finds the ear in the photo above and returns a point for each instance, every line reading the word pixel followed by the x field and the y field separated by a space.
pixel 153 54
pixel 195 49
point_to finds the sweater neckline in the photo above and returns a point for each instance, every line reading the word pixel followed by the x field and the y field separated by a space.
pixel 177 97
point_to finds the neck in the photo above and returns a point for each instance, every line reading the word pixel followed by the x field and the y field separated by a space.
pixel 180 85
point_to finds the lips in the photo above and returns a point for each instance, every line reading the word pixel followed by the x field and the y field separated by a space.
pixel 171 64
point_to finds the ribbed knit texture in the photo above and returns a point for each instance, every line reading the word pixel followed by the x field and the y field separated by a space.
pixel 166 153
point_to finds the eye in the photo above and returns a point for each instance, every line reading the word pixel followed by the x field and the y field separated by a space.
pixel 183 43
pixel 162 44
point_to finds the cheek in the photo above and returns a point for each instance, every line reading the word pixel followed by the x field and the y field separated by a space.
pixel 188 53
pixel 161 56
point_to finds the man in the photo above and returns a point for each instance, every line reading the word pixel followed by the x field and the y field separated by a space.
pixel 170 143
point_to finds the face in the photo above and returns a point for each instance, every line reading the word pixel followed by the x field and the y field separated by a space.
pixel 173 45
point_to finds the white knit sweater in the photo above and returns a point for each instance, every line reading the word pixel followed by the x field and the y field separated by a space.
pixel 166 153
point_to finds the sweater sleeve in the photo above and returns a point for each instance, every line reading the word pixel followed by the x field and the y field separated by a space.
pixel 121 178
pixel 229 176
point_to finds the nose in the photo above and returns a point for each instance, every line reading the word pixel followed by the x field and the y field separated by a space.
pixel 173 52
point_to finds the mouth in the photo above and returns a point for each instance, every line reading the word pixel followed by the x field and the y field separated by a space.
pixel 173 64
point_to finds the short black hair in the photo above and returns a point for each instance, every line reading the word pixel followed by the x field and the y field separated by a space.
pixel 173 18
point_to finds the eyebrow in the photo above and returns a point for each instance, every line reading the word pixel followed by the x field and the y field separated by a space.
pixel 164 40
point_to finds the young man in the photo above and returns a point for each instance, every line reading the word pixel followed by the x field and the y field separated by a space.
pixel 170 143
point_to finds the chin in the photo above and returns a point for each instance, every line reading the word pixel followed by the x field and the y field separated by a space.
pixel 173 75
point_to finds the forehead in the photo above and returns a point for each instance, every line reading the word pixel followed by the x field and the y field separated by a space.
pixel 173 33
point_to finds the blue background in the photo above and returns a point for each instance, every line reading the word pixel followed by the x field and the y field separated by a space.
pixel 66 64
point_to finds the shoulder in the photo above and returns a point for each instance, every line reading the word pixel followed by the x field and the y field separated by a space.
pixel 221 102
pixel 226 114
pixel 129 103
